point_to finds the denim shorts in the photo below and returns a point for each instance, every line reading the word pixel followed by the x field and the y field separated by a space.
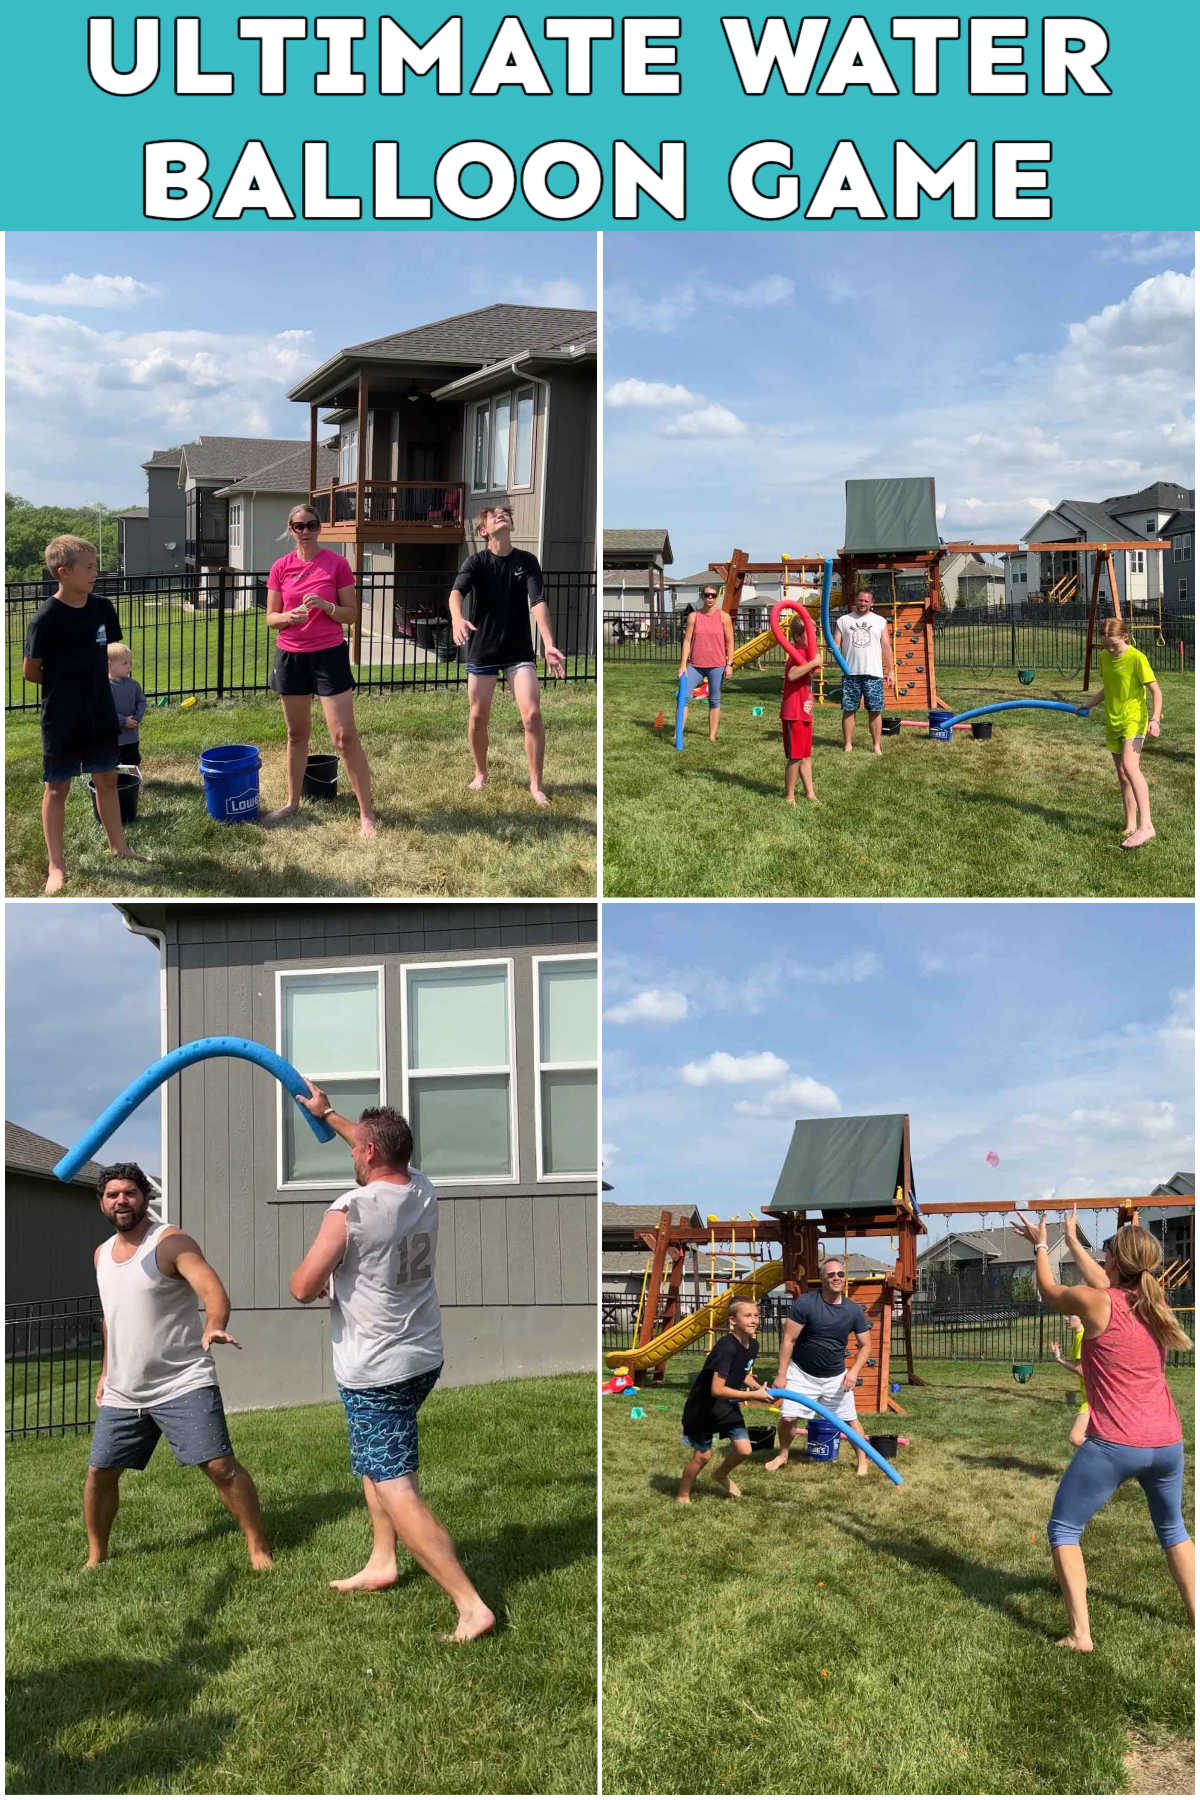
pixel 193 1424
pixel 862 687
pixel 505 669
pixel 100 760
pixel 714 677
pixel 382 1423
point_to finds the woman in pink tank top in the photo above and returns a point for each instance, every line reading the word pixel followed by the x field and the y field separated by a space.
pixel 1133 1427
pixel 707 654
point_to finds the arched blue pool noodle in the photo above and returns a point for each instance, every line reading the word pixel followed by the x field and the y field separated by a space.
pixel 826 626
pixel 200 1050
pixel 680 703
pixel 860 1443
pixel 977 712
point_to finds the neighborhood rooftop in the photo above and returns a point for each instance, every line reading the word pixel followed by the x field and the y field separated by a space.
pixel 29 1154
pixel 488 335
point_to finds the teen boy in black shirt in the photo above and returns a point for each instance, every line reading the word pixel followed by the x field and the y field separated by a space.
pixel 507 589
pixel 712 1408
pixel 66 654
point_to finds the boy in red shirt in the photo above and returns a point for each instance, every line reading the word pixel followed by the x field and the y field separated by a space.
pixel 795 713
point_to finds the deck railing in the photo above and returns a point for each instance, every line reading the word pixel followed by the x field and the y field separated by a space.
pixel 438 504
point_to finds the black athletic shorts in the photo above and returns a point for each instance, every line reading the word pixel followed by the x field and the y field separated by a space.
pixel 321 672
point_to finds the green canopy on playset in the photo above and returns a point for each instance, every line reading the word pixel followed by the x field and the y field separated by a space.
pixel 896 514
pixel 845 1165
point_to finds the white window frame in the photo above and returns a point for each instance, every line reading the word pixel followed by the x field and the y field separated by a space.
pixel 1137 561
pixel 557 1068
pixel 1181 590
pixel 338 1184
pixel 1181 547
pixel 488 407
pixel 235 524
pixel 348 452
pixel 443 1182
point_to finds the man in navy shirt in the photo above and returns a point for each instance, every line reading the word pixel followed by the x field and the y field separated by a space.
pixel 812 1355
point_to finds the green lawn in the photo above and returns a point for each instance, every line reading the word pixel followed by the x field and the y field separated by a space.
pixel 1035 811
pixel 174 1669
pixel 434 837
pixel 831 1635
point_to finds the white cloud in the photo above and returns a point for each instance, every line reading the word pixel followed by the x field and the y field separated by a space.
pixel 706 422
pixel 671 307
pixel 769 290
pixel 1145 1118
pixel 651 1007
pixel 1145 246
pixel 632 392
pixel 559 290
pixel 798 1094
pixel 106 292
pixel 722 1069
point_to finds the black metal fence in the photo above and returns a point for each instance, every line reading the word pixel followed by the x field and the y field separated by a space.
pixel 52 1355
pixel 206 634
pixel 1052 639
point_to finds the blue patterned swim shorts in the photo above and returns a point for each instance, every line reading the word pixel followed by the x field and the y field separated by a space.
pixel 383 1425
pixel 862 687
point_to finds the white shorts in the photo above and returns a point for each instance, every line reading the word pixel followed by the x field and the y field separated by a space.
pixel 827 1389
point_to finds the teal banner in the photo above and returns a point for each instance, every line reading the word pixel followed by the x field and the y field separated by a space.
pixel 702 120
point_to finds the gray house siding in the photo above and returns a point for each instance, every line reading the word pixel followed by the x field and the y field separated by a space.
pixel 50 1233
pixel 516 1266
pixel 569 528
pixel 167 522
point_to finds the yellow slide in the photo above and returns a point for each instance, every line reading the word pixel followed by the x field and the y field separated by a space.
pixel 709 1318
pixel 758 646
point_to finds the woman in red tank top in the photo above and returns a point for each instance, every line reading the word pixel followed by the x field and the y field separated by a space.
pixel 1133 1427
pixel 707 652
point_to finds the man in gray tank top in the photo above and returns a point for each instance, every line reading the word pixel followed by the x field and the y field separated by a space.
pixel 157 1378
pixel 373 1257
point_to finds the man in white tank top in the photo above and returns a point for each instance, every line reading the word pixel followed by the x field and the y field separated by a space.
pixel 373 1256
pixel 865 641
pixel 157 1378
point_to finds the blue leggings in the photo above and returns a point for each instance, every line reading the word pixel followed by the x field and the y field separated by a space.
pixel 715 677
pixel 1097 1470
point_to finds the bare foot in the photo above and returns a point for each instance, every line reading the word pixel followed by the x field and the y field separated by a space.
pixel 540 797
pixel 366 828
pixel 1073 1643
pixel 683 1499
pixel 791 799
pixel 94 1562
pixel 370 1580
pixel 261 1559
pixel 1138 839
pixel 777 1462
pixel 127 855
pixel 876 750
pixel 863 1469
pixel 477 785
pixel 56 881
pixel 280 814
pixel 728 1487
pixel 471 1625
pixel 847 748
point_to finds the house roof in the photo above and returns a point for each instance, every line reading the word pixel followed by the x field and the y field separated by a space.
pixel 619 1223
pixel 28 1154
pixel 836 1165
pixel 1178 523
pixel 134 512
pixel 1182 1182
pixel 1001 1243
pixel 1093 520
pixel 230 458
pixel 478 381
pixel 289 474
pixel 165 459
pixel 639 543
pixel 1160 496
pixel 702 578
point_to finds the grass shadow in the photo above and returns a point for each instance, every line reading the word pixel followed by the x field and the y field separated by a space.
pixel 1018 1463
pixel 288 1527
pixel 519 1554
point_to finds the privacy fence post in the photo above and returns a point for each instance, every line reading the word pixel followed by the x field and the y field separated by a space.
pixel 223 580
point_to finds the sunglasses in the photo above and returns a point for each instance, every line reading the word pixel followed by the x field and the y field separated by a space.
pixel 304 525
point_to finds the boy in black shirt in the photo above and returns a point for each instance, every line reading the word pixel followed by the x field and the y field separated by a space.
pixel 711 1407
pixel 66 653
pixel 507 586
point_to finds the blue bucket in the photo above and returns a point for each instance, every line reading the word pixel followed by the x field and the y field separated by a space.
pixel 939 730
pixel 231 783
pixel 823 1441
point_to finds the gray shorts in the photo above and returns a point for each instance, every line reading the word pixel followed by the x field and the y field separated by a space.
pixel 193 1425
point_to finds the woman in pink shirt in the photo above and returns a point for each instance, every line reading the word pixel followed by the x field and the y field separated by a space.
pixel 707 652
pixel 1133 1427
pixel 310 600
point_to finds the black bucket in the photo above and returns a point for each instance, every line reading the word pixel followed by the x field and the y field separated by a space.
pixel 885 1442
pixel 321 777
pixel 981 729
pixel 762 1437
pixel 128 787
pixel 891 725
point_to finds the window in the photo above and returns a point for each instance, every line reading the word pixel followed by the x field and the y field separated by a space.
pixel 502 435
pixel 567 1040
pixel 235 524
pixel 459 1074
pixel 1181 547
pixel 1182 588
pixel 330 1027
pixel 1152 527
pixel 348 457
pixel 1137 562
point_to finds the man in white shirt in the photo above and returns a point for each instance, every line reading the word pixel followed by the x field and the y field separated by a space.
pixel 865 642
pixel 374 1255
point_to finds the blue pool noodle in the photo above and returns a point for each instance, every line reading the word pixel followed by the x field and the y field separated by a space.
pixel 1010 705
pixel 69 1165
pixel 860 1443
pixel 827 628
pixel 680 703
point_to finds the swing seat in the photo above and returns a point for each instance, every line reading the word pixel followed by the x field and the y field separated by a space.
pixel 1022 1372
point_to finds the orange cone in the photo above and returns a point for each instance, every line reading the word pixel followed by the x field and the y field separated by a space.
pixel 658 723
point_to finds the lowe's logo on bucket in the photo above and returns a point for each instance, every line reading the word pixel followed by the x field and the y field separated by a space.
pixel 245 802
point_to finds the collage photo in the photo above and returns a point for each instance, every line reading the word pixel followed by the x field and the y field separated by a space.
pixel 600 959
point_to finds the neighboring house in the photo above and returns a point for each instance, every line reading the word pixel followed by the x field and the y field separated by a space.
pixel 51 1227
pixel 634 564
pixel 133 540
pixel 436 423
pixel 207 468
pixel 151 538
pixel 1067 574
pixel 260 503
pixel 1179 564
pixel 479 1023
pixel 970 1268
pixel 1175 1229
pixel 968 580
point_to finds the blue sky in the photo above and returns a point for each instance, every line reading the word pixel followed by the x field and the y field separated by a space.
pixel 81 1021
pixel 1059 1036
pixel 122 343
pixel 748 376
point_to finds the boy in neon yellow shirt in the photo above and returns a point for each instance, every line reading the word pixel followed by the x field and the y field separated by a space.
pixel 1125 676
pixel 1074 1362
